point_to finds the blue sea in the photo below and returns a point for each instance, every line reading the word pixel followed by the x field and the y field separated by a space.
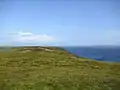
pixel 111 54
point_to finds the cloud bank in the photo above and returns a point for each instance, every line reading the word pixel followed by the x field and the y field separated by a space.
pixel 83 38
pixel 31 37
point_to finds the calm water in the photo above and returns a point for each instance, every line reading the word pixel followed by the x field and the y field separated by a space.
pixel 97 53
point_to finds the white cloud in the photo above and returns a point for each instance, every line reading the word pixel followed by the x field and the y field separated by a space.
pixel 30 37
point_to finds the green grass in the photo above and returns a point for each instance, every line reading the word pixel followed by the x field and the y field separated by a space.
pixel 31 68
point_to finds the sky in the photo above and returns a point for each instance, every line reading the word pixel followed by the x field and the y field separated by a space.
pixel 60 22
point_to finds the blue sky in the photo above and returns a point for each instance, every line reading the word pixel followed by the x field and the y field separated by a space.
pixel 60 22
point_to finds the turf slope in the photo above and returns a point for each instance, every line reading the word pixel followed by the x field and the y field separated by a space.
pixel 52 68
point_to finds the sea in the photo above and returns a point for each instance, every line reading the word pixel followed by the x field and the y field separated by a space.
pixel 101 53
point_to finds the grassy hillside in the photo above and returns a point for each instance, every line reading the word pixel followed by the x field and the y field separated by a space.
pixel 51 68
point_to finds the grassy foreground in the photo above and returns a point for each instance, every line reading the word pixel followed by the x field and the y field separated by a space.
pixel 50 68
